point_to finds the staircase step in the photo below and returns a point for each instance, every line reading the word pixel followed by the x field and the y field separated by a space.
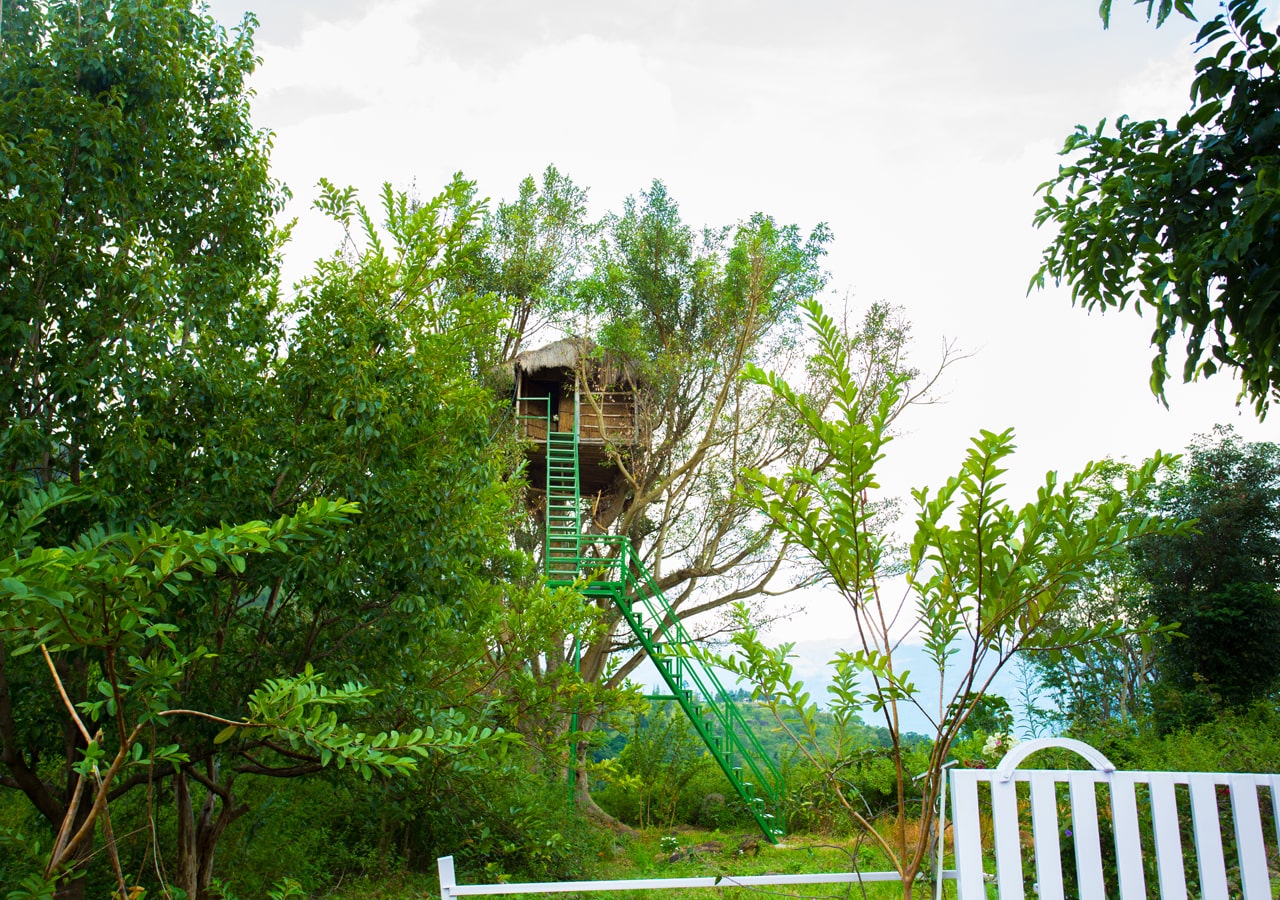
pixel 563 544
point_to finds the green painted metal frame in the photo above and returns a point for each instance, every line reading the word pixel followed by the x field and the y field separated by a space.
pixel 564 507
pixel 608 566
pixel 622 577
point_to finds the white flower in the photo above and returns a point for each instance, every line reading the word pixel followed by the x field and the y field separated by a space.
pixel 999 744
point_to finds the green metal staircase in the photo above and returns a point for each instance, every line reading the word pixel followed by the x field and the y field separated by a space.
pixel 564 507
pixel 610 568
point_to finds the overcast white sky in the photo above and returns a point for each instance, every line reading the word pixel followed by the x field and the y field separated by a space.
pixel 918 131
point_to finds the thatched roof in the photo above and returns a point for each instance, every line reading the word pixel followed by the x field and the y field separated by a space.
pixel 606 368
pixel 563 354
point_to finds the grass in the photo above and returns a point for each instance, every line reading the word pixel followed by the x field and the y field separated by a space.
pixel 642 856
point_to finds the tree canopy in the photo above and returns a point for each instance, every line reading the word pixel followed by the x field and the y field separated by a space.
pixel 153 375
pixel 1183 219
pixel 1211 589
pixel 1220 584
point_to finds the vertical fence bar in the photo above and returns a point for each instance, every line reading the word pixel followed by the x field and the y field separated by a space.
pixel 448 880
pixel 1044 831
pixel 1254 878
pixel 966 834
pixel 1168 837
pixel 942 831
pixel 1207 827
pixel 1085 834
pixel 1124 816
pixel 1004 820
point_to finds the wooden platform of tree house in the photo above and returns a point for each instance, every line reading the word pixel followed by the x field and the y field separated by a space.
pixel 596 472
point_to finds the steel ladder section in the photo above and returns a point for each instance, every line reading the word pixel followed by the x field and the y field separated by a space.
pixel 714 716
pixel 564 507
pixel 622 578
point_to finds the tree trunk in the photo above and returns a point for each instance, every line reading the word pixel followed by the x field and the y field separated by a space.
pixel 72 887
pixel 198 838
pixel 582 783
pixel 583 800
pixel 185 873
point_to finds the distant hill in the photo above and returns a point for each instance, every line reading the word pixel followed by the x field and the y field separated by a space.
pixel 812 666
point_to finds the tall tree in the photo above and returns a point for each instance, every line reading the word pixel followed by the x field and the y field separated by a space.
pixel 694 310
pixel 136 262
pixel 1221 584
pixel 985 581
pixel 148 364
pixel 1184 219
pixel 684 312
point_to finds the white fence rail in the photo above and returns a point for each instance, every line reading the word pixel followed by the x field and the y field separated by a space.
pixel 1146 812
pixel 449 887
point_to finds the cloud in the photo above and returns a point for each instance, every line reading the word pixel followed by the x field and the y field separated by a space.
pixel 364 57
pixel 919 131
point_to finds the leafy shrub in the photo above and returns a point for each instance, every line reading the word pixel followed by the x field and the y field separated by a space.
pixel 866 773
pixel 663 775
pixel 312 831
pixel 1246 740
pixel 510 820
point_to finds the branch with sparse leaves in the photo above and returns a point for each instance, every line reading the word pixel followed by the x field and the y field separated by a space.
pixel 987 578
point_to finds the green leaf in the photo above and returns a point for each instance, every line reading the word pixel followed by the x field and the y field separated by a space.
pixel 15 587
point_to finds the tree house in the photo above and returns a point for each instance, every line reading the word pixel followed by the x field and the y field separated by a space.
pixel 578 409
pixel 572 387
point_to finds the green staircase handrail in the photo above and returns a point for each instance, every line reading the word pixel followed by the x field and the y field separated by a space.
pixel 694 686
pixel 728 746
pixel 737 730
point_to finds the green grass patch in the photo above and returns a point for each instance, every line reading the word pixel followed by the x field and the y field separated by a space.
pixel 685 853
